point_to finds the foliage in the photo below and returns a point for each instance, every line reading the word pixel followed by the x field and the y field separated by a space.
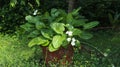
pixel 53 29
pixel 14 53
pixel 114 20
pixel 18 9
pixel 50 29
pixel 99 10
pixel 12 13
pixel 60 4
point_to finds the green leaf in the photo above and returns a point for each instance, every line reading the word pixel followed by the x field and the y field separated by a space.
pixel 69 26
pixel 76 31
pixel 58 27
pixel 37 41
pixel 39 25
pixel 22 2
pixel 51 48
pixel 57 41
pixel 32 19
pixel 65 42
pixel 27 27
pixel 76 12
pixel 85 35
pixel 46 43
pixel 47 33
pixel 77 43
pixel 29 18
pixel 46 15
pixel 13 3
pixel 38 2
pixel 79 22
pixel 91 25
pixel 59 19
pixel 34 33
pixel 54 12
pixel 62 13
pixel 69 18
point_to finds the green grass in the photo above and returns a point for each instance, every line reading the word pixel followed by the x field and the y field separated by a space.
pixel 15 53
pixel 109 43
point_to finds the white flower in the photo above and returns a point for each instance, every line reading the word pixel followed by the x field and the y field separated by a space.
pixel 35 12
pixel 68 39
pixel 69 33
pixel 73 39
pixel 73 42
pixel 105 54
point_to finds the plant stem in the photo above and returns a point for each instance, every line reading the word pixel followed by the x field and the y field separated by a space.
pixel 45 56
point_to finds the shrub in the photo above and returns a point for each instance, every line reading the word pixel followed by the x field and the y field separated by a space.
pixel 12 13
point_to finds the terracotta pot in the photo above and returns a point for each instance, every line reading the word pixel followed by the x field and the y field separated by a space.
pixel 64 54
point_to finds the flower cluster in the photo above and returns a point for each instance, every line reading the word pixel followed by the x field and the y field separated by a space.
pixel 69 33
pixel 71 39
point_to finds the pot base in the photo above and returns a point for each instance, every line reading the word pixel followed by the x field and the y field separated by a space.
pixel 62 56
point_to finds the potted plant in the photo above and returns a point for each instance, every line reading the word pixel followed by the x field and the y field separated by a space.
pixel 57 32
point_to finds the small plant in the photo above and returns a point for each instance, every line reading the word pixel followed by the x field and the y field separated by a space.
pixel 57 29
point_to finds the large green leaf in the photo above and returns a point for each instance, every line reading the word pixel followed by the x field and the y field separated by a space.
pixel 76 31
pixel 32 19
pixel 46 43
pixel 39 25
pixel 86 35
pixel 57 41
pixel 79 22
pixel 29 18
pixel 58 27
pixel 91 25
pixel 47 33
pixel 51 48
pixel 37 41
